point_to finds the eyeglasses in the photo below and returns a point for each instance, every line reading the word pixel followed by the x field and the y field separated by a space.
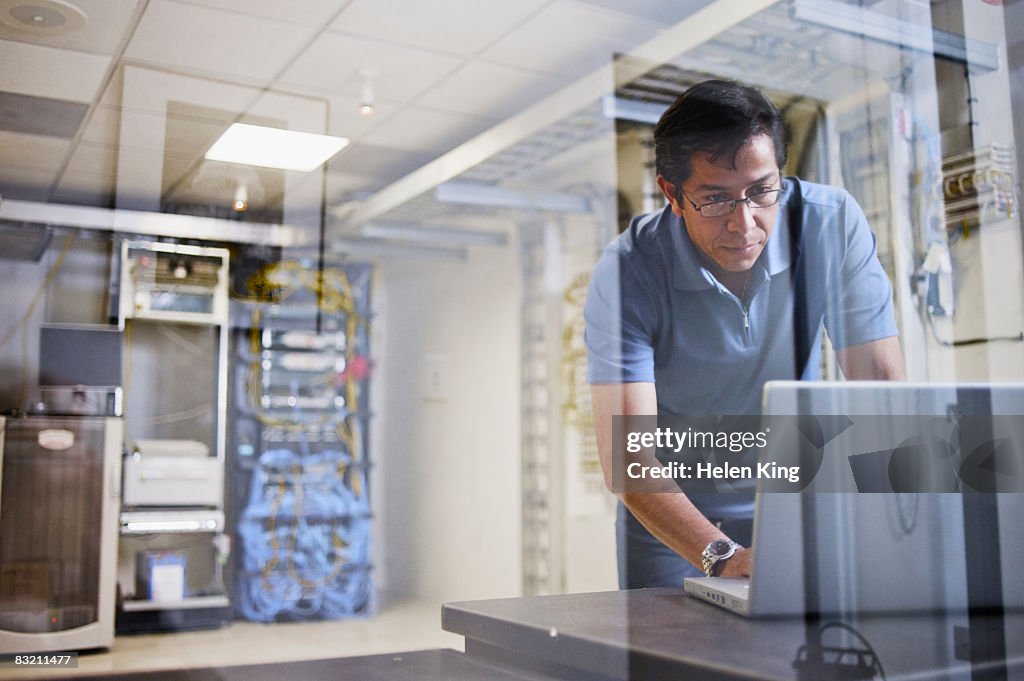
pixel 761 198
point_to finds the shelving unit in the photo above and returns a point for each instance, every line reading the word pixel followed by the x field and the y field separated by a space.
pixel 173 307
pixel 300 509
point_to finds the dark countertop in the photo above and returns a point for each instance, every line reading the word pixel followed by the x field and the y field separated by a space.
pixel 664 633
pixel 420 665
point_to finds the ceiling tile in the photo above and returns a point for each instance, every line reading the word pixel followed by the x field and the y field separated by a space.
pixel 278 109
pixel 25 185
pixel 92 160
pixel 50 72
pixel 103 125
pixel 418 129
pixel 192 136
pixel 334 62
pixel 306 12
pixel 346 121
pixel 543 42
pixel 32 152
pixel 85 191
pixel 490 90
pixel 142 130
pixel 108 21
pixel 380 163
pixel 345 186
pixel 455 26
pixel 215 41
pixel 90 176
pixel 112 95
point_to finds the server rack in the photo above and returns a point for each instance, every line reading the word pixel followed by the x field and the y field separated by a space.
pixel 173 297
pixel 299 465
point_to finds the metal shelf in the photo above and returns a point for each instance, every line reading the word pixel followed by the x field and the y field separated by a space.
pixel 172 521
pixel 191 603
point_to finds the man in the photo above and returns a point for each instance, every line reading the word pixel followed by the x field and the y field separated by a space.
pixel 694 307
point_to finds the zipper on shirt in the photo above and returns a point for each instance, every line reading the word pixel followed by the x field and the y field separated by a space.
pixel 744 310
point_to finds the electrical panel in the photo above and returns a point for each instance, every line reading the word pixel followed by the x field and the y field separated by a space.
pixel 300 502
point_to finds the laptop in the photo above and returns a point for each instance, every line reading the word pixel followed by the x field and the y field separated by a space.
pixel 860 540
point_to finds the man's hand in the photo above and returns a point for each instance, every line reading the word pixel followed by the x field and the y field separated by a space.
pixel 737 565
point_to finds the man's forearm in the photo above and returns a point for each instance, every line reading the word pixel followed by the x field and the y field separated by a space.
pixel 880 360
pixel 673 519
pixel 667 514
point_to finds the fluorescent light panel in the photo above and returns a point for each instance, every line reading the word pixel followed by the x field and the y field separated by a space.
pixel 257 145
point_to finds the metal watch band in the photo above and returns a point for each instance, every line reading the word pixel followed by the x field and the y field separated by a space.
pixel 710 560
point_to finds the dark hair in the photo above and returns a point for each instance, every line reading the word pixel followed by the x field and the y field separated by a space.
pixel 717 117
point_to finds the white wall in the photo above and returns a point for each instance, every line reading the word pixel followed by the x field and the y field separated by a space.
pixel 446 479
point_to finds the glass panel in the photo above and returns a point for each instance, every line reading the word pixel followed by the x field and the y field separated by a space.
pixel 50 509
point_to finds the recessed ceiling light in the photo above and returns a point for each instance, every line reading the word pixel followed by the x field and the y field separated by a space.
pixel 257 145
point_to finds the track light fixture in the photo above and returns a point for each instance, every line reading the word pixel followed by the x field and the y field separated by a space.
pixel 367 106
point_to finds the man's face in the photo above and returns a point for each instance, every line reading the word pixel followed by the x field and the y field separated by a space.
pixel 732 242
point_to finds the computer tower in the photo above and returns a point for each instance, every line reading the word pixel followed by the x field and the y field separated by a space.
pixel 59 503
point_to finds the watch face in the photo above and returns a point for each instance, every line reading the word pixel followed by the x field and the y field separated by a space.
pixel 719 547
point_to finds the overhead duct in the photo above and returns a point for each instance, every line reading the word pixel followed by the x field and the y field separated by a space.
pixel 896 32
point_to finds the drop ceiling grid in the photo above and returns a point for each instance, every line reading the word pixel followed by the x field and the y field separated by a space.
pixel 90 175
pixel 458 27
pixel 302 12
pixel 93 162
pixel 50 72
pixel 30 185
pixel 491 90
pixel 379 164
pixel 475 62
pixel 32 152
pixel 570 39
pixel 237 47
pixel 331 65
pixel 419 129
pixel 108 21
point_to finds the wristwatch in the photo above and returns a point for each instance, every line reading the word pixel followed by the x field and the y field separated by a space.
pixel 717 552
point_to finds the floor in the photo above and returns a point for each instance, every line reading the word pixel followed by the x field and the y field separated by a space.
pixel 400 627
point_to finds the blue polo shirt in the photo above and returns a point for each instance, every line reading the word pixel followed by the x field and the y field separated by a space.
pixel 655 313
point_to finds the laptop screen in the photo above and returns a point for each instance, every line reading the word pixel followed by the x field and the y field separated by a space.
pixel 875 538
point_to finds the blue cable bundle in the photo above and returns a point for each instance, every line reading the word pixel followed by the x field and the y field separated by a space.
pixel 305 538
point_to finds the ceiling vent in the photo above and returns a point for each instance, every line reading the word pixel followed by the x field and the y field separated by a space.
pixel 42 17
pixel 40 115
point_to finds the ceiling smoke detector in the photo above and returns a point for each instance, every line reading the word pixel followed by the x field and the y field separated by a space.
pixel 42 17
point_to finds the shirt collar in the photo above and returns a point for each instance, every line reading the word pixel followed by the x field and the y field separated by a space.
pixel 690 274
